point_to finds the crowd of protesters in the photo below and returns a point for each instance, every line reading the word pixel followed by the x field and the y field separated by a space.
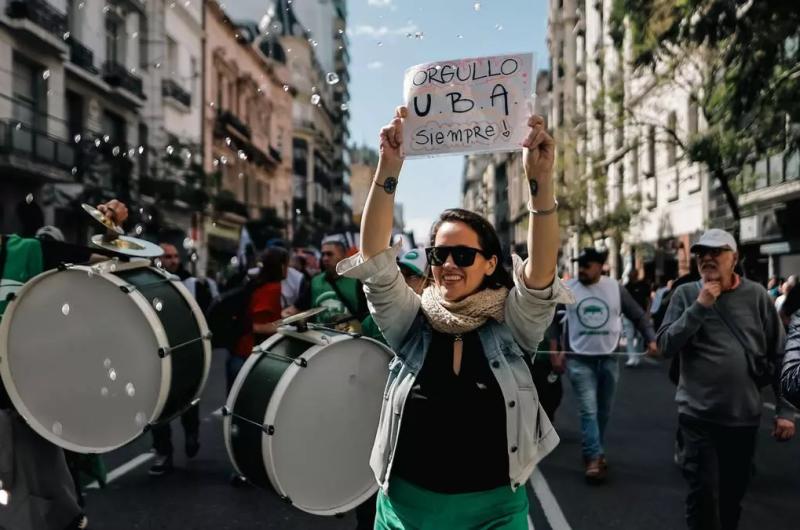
pixel 725 338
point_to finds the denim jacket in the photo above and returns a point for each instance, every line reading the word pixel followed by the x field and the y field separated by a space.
pixel 396 310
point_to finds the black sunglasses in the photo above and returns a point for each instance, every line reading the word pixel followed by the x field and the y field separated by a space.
pixel 714 252
pixel 462 256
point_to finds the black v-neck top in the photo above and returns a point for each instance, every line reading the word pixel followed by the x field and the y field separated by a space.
pixel 453 432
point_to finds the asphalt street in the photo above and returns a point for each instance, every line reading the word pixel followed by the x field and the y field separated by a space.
pixel 645 490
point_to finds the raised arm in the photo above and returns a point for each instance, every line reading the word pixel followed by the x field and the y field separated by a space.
pixel 392 303
pixel 543 236
pixel 376 223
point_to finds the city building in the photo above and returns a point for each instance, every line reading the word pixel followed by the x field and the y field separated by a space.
pixel 72 92
pixel 172 187
pixel 247 128
pixel 624 182
pixel 316 45
pixel 364 163
pixel 769 201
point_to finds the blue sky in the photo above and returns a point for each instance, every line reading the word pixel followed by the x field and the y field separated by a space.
pixel 381 51
pixel 428 186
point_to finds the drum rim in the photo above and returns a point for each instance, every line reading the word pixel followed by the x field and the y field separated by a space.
pixel 233 395
pixel 11 388
pixel 204 331
pixel 269 418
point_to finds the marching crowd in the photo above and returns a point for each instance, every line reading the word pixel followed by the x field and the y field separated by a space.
pixel 502 338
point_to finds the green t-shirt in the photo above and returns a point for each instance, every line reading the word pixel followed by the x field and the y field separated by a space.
pixel 323 295
pixel 23 261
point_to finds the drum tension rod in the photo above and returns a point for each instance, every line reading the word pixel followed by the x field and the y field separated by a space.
pixel 301 362
pixel 166 350
pixel 268 429
pixel 338 331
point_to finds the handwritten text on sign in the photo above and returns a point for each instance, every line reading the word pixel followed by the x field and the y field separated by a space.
pixel 467 105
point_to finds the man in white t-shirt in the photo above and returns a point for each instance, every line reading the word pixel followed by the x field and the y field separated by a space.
pixel 594 325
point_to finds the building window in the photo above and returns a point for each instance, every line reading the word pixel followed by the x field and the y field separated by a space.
pixel 561 109
pixel 693 112
pixel 672 144
pixel 651 151
pixel 173 66
pixel 114 126
pixel 115 39
pixel 300 157
pixel 220 90
pixel 193 73
pixel 30 94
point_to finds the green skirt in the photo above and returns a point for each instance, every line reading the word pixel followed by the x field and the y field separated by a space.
pixel 409 507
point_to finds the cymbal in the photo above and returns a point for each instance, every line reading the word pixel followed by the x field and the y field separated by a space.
pixel 114 229
pixel 129 246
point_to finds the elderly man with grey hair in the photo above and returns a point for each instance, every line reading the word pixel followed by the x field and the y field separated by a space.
pixel 730 342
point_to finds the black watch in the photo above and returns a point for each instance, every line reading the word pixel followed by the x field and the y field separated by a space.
pixel 389 185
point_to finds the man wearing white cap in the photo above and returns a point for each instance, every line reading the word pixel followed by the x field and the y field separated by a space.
pixel 730 342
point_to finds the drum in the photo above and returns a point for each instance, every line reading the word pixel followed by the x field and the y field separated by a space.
pixel 90 356
pixel 302 415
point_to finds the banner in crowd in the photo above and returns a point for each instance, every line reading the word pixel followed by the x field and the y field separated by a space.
pixel 467 105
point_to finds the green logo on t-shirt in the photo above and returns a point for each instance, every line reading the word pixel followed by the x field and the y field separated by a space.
pixel 593 312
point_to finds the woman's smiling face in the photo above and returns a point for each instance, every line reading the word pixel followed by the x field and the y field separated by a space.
pixel 456 283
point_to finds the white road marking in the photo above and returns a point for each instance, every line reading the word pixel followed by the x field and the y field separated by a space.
pixel 124 468
pixel 530 523
pixel 552 511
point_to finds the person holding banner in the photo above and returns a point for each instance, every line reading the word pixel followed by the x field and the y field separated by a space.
pixel 461 428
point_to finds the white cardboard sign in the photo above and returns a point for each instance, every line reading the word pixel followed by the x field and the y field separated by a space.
pixel 467 105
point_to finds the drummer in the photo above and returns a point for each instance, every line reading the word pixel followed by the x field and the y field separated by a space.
pixel 40 467
pixel 190 418
pixel 459 354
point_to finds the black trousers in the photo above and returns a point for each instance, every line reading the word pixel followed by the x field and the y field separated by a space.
pixel 162 434
pixel 550 394
pixel 718 462
pixel 365 514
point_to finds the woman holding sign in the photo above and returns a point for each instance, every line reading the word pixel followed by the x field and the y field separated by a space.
pixel 461 428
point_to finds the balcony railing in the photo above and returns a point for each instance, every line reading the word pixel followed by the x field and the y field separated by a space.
pixel 116 74
pixel 226 118
pixel 40 13
pixel 81 55
pixel 23 141
pixel 171 89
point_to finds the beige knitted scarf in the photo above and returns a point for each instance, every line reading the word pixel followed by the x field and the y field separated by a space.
pixel 465 315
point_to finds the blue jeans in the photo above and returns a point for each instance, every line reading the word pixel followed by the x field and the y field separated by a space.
pixel 233 365
pixel 594 379
pixel 634 339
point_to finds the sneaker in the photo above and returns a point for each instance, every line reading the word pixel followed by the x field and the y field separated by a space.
pixel 162 466
pixel 81 522
pixel 596 473
pixel 239 481
pixel 192 445
pixel 632 361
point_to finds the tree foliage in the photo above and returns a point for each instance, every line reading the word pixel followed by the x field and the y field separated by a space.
pixel 750 56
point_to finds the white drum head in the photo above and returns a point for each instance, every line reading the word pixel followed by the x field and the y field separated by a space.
pixel 80 361
pixel 325 417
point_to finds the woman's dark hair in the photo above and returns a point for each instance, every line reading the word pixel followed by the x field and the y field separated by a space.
pixel 273 261
pixel 487 239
